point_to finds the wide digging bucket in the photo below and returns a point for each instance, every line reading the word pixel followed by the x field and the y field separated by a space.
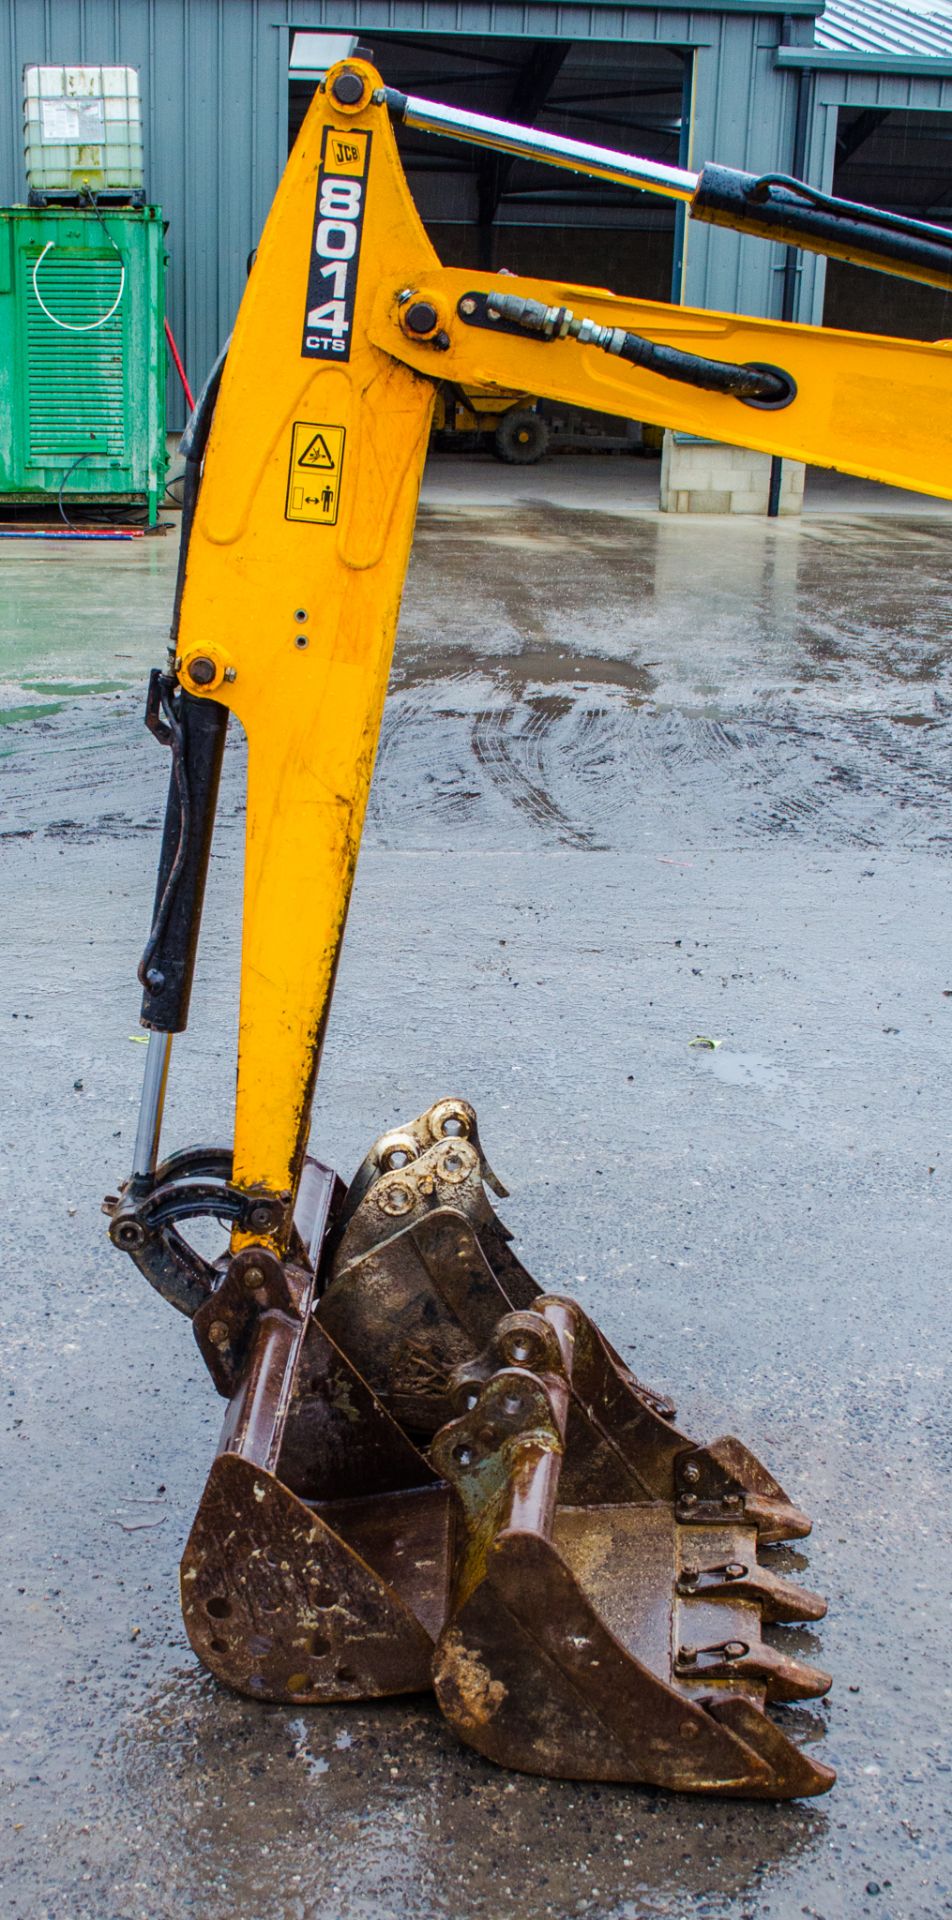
pixel 606 1615
pixel 439 1477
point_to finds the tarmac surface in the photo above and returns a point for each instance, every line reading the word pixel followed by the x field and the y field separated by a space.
pixel 642 780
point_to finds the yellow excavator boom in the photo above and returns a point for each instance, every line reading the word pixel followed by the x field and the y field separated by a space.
pixel 302 534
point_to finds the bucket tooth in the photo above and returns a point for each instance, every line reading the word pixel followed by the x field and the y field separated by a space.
pixel 777 1520
pixel 765 1502
pixel 781 1678
pixel 801 1775
pixel 777 1599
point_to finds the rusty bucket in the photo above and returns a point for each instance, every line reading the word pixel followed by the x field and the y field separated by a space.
pixel 431 1475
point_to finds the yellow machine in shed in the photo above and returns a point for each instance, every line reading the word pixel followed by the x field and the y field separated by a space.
pixel 511 421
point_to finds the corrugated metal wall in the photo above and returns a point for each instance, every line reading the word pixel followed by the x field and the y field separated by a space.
pixel 214 82
pixel 214 106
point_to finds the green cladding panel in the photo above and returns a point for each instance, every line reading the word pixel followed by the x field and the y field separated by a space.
pixel 82 356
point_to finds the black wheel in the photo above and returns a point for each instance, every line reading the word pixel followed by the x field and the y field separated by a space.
pixel 521 438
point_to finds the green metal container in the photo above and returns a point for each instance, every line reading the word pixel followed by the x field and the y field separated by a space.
pixel 82 356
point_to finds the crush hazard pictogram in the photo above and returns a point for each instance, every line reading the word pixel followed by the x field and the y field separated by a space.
pixel 317 454
pixel 315 468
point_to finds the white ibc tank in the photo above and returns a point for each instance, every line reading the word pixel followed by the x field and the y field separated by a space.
pixel 82 127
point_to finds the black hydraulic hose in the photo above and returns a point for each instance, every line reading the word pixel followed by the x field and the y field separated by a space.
pixel 174 843
pixel 759 386
pixel 192 448
pixel 195 731
pixel 755 384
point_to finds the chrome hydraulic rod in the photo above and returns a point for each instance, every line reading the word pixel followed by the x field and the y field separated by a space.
pixel 146 1154
pixel 529 143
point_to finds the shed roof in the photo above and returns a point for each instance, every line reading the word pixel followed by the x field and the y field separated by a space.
pixel 878 26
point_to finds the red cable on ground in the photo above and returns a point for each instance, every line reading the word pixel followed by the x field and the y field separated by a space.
pixel 72 533
pixel 180 370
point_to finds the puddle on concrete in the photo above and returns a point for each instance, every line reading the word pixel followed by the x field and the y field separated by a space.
pixel 37 710
pixel 67 688
pixel 543 665
pixel 746 1069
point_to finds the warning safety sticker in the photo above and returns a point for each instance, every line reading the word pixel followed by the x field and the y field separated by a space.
pixel 314 473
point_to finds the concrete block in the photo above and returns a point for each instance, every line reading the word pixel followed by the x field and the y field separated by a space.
pixel 703 477
pixel 791 486
pixel 710 500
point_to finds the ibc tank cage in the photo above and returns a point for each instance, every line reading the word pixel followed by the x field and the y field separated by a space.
pixel 82 134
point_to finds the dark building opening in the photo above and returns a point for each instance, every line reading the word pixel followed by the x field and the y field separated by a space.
pixel 900 159
pixel 485 210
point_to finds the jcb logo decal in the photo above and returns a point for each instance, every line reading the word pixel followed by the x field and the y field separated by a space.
pixel 335 253
pixel 347 152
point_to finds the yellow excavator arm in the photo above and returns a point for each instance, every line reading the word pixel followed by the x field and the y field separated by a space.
pixel 429 1474
pixel 301 538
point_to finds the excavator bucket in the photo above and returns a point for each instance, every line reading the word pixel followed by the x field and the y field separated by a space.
pixel 433 1475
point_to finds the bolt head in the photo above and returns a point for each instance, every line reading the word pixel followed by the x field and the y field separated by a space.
pixel 201 671
pixel 252 1279
pixel 129 1234
pixel 218 1333
pixel 735 1570
pixel 421 317
pixel 261 1217
pixel 396 1199
pixel 467 306
pixel 735 1649
pixel 348 88
pixel 692 1473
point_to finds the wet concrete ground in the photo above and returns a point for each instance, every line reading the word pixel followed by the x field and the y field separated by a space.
pixel 641 780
